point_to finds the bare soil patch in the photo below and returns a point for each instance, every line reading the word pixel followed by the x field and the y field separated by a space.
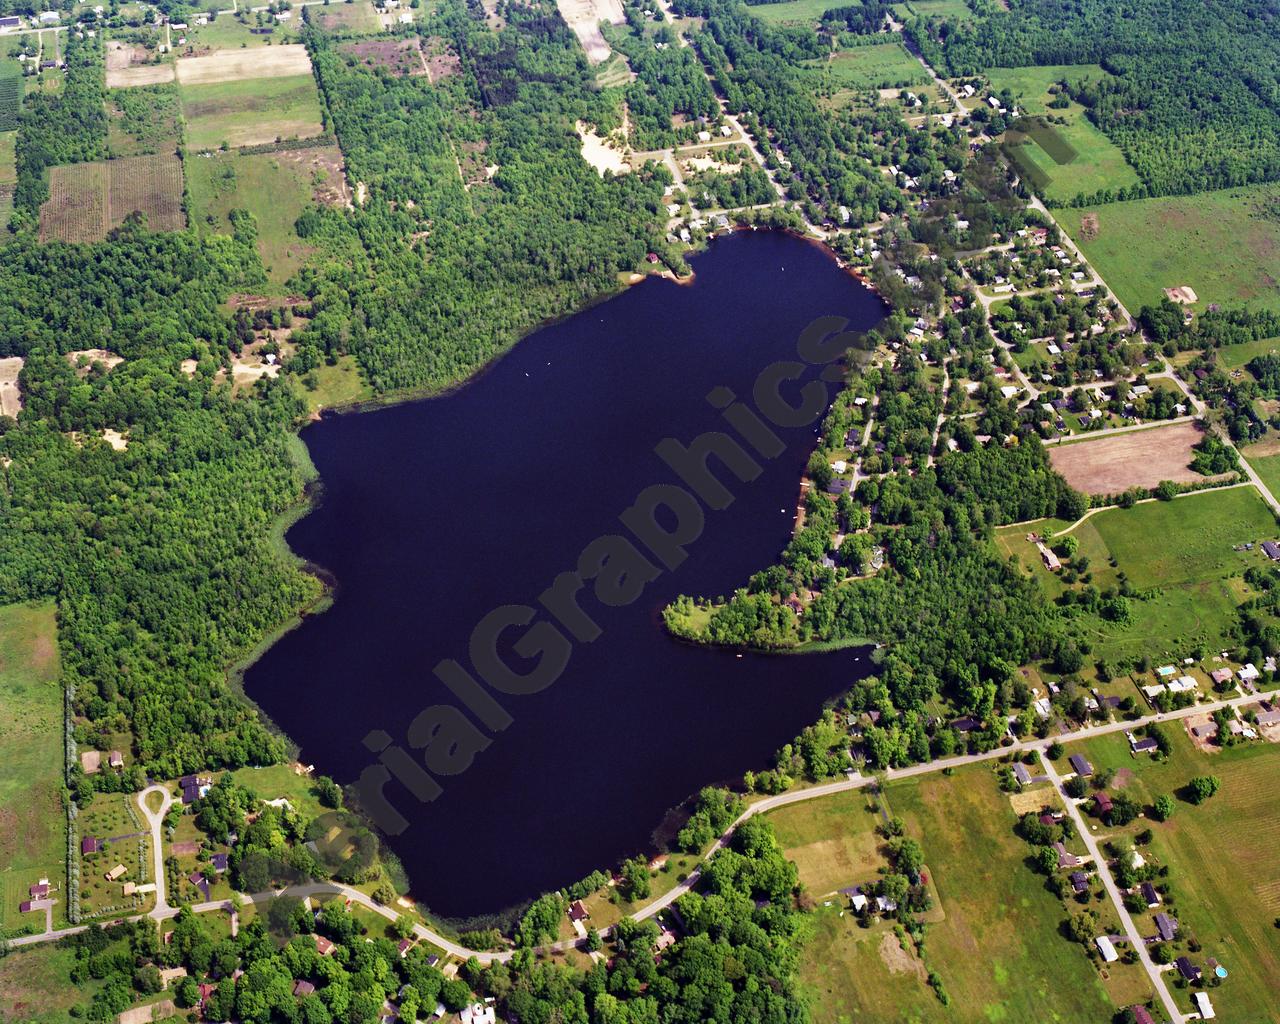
pixel 1142 458
pixel 584 17
pixel 236 65
pixel 1182 294
pixel 899 960
pixel 399 56
pixel 93 355
pixel 442 62
pixel 1027 800
pixel 1089 227
pixel 10 396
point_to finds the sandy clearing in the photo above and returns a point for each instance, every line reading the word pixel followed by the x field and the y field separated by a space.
pixel 234 65
pixel 1142 458
pixel 600 154
pixel 93 355
pixel 584 17
pixel 898 959
pixel 10 396
pixel 141 74
pixel 115 439
pixel 1024 801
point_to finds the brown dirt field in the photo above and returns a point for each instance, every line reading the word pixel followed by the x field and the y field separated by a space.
pixel 10 396
pixel 399 56
pixel 127 66
pixel 1089 227
pixel 94 355
pixel 899 960
pixel 584 17
pixel 234 65
pixel 1142 458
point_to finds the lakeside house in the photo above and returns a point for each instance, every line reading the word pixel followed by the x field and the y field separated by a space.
pixel 577 912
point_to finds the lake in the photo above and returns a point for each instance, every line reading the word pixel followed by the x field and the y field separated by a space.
pixel 437 512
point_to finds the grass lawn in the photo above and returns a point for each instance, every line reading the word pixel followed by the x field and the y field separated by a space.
pixel 1223 873
pixel 279 780
pixel 251 112
pixel 997 947
pixel 36 987
pixel 832 841
pixel 225 32
pixel 114 817
pixel 794 11
pixel 347 18
pixel 272 188
pixel 881 66
pixel 1222 244
pixel 1236 357
pixel 955 9
pixel 337 385
pixel 32 822
pixel 1192 579
pixel 1267 467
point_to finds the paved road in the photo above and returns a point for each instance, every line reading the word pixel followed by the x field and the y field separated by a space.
pixel 156 820
pixel 1113 890
pixel 854 781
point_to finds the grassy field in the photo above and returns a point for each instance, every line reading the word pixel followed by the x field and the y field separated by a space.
pixel 336 385
pixel 35 986
pixel 347 19
pixel 1221 859
pixel 270 186
pixel 832 841
pixel 1062 160
pixel 1267 467
pixel 1192 576
pixel 225 32
pixel 996 948
pixel 1223 244
pixel 794 11
pixel 32 823
pixel 956 9
pixel 251 112
pixel 8 171
pixel 883 65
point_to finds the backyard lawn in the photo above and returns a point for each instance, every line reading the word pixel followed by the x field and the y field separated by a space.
pixel 1221 244
pixel 1223 872
pixel 32 821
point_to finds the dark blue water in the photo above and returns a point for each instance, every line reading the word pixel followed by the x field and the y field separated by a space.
pixel 437 512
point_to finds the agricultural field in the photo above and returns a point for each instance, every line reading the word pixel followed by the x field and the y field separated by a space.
pixel 995 944
pixel 1141 458
pixel 88 200
pixel 1062 160
pixel 32 821
pixel 237 66
pixel 275 188
pixel 1224 245
pixel 880 66
pixel 133 63
pixel 1223 873
pixel 794 12
pixel 8 173
pixel 251 112
pixel 1178 554
pixel 11 89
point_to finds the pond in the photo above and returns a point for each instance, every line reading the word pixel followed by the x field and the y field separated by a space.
pixel 499 784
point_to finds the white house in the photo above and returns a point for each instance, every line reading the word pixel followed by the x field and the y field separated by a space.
pixel 1107 949
pixel 1203 1005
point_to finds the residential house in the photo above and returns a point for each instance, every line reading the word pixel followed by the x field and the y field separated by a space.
pixel 303 988
pixel 1143 744
pixel 1187 969
pixel 1220 675
pixel 1249 674
pixel 1150 895
pixel 115 759
pixel 1021 774
pixel 1141 1015
pixel 219 861
pixel 1107 948
pixel 90 845
pixel 1079 881
pixel 40 890
pixel 1080 766
pixel 1065 859
pixel 197 879
pixel 1268 714
pixel 966 724
pixel 578 912
pixel 403 947
pixel 1203 1005
pixel 477 1013
pixel 1271 549
pixel 1166 927
pixel 1103 803
pixel 323 946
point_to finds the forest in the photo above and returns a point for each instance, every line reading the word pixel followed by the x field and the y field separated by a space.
pixel 1193 99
